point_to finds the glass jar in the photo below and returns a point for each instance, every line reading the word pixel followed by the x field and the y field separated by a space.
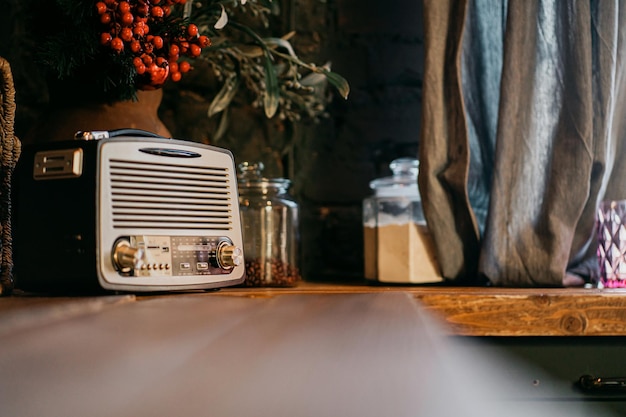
pixel 398 247
pixel 269 218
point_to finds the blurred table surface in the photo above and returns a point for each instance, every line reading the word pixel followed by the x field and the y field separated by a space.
pixel 315 349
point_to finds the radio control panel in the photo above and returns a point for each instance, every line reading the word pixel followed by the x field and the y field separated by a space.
pixel 152 256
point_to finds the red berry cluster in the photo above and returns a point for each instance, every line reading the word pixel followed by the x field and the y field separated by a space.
pixel 127 27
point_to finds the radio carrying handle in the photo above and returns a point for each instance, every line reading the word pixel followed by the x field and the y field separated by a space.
pixel 105 134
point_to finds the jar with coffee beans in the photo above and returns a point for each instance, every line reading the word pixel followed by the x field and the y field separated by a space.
pixel 269 217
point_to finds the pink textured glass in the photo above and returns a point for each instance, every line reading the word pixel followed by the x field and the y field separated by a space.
pixel 611 229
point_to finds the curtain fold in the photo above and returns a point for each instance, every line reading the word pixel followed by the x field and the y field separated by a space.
pixel 444 155
pixel 522 135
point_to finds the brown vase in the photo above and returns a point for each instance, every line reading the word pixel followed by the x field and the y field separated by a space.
pixel 62 122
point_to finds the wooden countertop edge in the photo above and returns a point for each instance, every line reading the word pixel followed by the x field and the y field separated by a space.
pixel 479 311
pixel 467 311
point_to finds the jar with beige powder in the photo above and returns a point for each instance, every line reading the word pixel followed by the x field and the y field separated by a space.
pixel 398 247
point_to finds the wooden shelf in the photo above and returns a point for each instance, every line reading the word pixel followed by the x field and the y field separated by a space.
pixel 467 311
pixel 475 311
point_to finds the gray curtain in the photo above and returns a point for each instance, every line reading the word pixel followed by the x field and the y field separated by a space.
pixel 523 133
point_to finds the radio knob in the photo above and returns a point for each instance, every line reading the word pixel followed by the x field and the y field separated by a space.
pixel 126 257
pixel 229 256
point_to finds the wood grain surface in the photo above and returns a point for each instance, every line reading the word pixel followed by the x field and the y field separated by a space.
pixel 25 311
pixel 475 311
pixel 469 311
pixel 350 354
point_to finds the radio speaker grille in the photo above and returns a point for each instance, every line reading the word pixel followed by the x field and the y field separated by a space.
pixel 148 195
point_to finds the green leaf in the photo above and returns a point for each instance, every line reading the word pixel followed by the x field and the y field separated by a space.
pixel 222 21
pixel 251 51
pixel 187 9
pixel 313 79
pixel 222 128
pixel 280 42
pixel 225 96
pixel 272 90
pixel 340 83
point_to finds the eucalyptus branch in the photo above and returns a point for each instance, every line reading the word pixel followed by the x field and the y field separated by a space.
pixel 335 79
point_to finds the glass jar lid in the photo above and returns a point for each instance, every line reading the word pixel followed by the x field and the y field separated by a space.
pixel 250 177
pixel 403 182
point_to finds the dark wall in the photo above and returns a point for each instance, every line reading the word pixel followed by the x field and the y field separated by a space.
pixel 379 48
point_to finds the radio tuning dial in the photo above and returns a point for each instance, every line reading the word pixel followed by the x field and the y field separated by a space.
pixel 126 257
pixel 229 256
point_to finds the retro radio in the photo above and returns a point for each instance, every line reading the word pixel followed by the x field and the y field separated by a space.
pixel 126 211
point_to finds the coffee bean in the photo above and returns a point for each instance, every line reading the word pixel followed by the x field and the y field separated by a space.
pixel 271 273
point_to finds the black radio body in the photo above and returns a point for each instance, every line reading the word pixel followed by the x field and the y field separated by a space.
pixel 125 213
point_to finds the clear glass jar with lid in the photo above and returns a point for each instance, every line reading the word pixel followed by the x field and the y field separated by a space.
pixel 397 245
pixel 269 217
